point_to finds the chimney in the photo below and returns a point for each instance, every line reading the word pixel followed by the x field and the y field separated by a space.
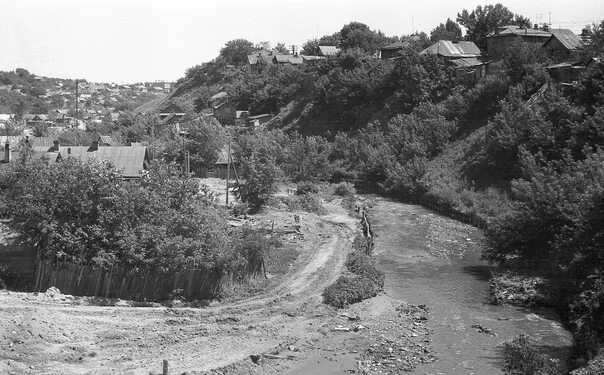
pixel 56 146
pixel 7 152
pixel 94 146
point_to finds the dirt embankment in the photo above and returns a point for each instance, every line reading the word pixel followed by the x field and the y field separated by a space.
pixel 285 329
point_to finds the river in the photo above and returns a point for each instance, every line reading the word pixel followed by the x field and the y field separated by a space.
pixel 435 261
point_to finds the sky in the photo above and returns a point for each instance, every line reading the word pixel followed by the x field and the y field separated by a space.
pixel 151 40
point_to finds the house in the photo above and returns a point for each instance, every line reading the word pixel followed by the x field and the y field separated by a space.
pixel 288 59
pixel 501 39
pixel 452 49
pixel 6 119
pixel 62 118
pixel 258 120
pixel 220 167
pixel 393 50
pixel 564 44
pixel 131 160
pixel 328 51
pixel 36 119
pixel 308 59
pixel 241 118
pixel 225 113
pixel 171 109
pixel 463 56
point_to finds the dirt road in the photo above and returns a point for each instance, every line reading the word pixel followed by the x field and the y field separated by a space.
pixel 52 334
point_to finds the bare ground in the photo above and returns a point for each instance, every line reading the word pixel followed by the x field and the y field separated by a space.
pixel 284 329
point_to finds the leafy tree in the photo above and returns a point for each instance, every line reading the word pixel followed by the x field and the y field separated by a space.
pixel 484 20
pixel 235 51
pixel 205 138
pixel 446 31
pixel 359 35
pixel 282 49
pixel 258 172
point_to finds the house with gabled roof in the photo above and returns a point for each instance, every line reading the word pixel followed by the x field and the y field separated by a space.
pixel 328 51
pixel 393 49
pixel 564 44
pixel 502 38
pixel 463 56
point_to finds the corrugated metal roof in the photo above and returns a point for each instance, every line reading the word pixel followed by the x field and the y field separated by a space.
pixel 312 58
pixel 329 50
pixel 288 59
pixel 569 40
pixel 516 30
pixel 129 159
pixel 448 48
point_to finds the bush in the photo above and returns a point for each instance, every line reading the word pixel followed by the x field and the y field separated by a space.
pixel 350 289
pixel 345 189
pixel 306 187
pixel 522 359
pixel 240 209
pixel 365 282
pixel 305 202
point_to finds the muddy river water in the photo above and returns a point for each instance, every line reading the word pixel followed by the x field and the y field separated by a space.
pixel 408 245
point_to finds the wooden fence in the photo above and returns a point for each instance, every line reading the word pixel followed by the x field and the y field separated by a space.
pixel 137 285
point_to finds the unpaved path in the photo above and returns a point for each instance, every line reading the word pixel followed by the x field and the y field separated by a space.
pixel 42 334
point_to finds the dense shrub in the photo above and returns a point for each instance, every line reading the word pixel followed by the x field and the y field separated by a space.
pixel 364 281
pixel 522 359
pixel 344 189
pixel 306 187
pixel 84 212
pixel 349 289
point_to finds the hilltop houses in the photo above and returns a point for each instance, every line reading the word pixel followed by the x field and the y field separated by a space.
pixel 463 56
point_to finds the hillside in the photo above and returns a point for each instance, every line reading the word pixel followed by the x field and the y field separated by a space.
pixel 514 147
pixel 23 93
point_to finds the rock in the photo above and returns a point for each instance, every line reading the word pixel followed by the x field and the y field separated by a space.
pixel 359 327
pixel 341 328
pixel 52 292
pixel 255 358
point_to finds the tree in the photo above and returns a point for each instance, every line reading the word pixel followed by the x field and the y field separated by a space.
pixel 446 31
pixel 282 49
pixel 484 20
pixel 235 51
pixel 205 138
pixel 359 35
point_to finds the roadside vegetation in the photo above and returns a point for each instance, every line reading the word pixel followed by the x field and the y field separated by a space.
pixel 517 152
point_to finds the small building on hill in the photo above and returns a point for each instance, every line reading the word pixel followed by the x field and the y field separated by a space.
pixel 328 51
pixel 463 56
pixel 225 113
pixel 258 120
pixel 564 44
pixel 501 39
pixel 394 49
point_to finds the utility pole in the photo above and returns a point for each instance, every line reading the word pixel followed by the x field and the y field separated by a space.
pixel 228 171
pixel 76 100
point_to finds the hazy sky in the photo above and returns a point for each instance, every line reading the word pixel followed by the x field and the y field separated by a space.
pixel 135 40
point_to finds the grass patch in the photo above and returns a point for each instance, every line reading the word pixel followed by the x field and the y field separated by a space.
pixel 362 282
pixel 521 358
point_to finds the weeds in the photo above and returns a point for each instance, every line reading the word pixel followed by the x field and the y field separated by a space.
pixel 521 358
pixel 363 282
